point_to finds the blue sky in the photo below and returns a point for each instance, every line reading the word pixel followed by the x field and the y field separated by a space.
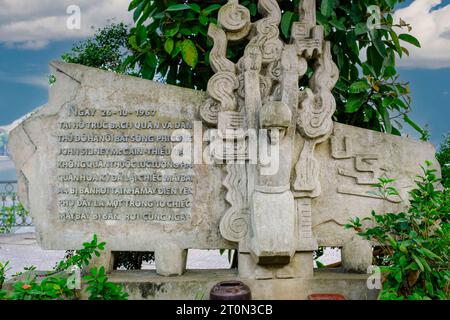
pixel 33 32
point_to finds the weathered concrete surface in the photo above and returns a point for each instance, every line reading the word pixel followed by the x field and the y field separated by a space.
pixel 347 164
pixel 352 160
pixel 37 155
pixel 195 283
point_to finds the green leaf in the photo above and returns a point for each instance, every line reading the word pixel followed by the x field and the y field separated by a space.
pixel 286 22
pixel 410 39
pixel 425 264
pixel 377 42
pixel 398 276
pixel 186 31
pixel 389 72
pixel 419 263
pixel 149 10
pixel 430 254
pixel 203 20
pixel 178 7
pixel 374 59
pixel 354 103
pixel 151 60
pixel 170 32
pixel 169 45
pixel 141 35
pixel 134 4
pixel 338 24
pixel 359 86
pixel 361 28
pixel 412 124
pixel 396 41
pixel 253 9
pixel 138 11
pixel 189 53
pixel 403 261
pixel 341 86
pixel 339 54
pixel 403 247
pixel 391 3
pixel 326 8
pixel 195 7
pixel 387 101
pixel 210 9
pixel 177 48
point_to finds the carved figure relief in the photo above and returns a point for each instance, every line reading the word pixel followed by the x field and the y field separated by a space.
pixel 261 91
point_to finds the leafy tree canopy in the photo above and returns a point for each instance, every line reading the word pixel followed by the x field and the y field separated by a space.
pixel 169 42
pixel 105 50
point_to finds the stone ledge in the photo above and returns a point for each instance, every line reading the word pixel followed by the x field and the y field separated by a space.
pixel 142 285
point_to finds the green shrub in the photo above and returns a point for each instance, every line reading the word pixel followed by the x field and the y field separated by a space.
pixel 50 288
pixel 414 244
pixel 99 287
pixel 443 156
pixel 8 216
pixel 57 285
pixel 3 269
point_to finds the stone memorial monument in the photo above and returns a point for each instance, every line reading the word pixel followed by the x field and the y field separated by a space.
pixel 255 164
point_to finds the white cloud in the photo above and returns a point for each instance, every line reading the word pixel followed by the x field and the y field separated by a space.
pixel 40 80
pixel 432 27
pixel 33 24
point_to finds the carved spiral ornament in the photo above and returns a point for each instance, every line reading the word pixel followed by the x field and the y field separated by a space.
pixel 221 87
pixel 235 19
pixel 268 32
pixel 209 112
pixel 217 57
pixel 315 116
pixel 234 224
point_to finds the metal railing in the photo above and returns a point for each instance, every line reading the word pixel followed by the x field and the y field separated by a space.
pixel 12 213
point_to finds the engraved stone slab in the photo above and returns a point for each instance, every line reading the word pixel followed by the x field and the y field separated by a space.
pixel 97 159
pixel 352 160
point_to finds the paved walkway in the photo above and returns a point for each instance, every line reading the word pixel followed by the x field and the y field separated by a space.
pixel 22 250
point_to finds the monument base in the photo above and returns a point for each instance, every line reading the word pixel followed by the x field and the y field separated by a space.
pixel 194 284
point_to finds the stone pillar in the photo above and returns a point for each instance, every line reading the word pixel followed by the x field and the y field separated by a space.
pixel 170 259
pixel 356 255
pixel 105 260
